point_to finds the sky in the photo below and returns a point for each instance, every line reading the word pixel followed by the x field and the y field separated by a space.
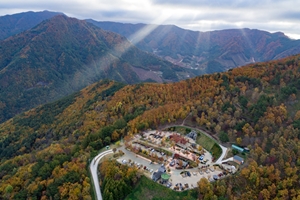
pixel 198 15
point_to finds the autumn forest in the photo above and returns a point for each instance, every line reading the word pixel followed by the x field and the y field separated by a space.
pixel 45 152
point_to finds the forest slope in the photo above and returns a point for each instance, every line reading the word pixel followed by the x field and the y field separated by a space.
pixel 62 55
pixel 45 151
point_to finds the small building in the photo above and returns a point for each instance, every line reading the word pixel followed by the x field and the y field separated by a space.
pixel 239 160
pixel 162 169
pixel 183 146
pixel 193 135
pixel 165 177
pixel 184 164
pixel 157 175
pixel 240 149
pixel 194 145
pixel 175 156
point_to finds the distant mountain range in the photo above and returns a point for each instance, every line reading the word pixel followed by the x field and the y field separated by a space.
pixel 16 23
pixel 203 52
pixel 62 55
pixel 208 52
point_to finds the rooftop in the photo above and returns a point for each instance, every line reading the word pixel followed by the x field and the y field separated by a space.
pixel 238 158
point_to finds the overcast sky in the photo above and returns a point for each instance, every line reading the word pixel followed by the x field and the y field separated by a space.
pixel 200 15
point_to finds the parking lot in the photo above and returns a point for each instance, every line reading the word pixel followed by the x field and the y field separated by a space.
pixel 194 177
pixel 138 159
pixel 176 176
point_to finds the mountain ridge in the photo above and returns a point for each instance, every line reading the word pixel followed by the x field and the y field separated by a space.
pixel 225 49
pixel 205 52
pixel 17 23
pixel 61 55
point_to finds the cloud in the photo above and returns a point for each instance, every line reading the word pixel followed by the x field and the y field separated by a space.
pixel 201 15
pixel 290 16
pixel 231 4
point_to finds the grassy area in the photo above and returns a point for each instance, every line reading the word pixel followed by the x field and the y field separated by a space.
pixel 205 141
pixel 146 189
pixel 216 151
pixel 180 129
pixel 209 144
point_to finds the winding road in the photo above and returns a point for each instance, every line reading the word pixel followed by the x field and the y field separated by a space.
pixel 94 168
pixel 224 151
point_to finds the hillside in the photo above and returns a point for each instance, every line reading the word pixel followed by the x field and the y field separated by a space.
pixel 208 52
pixel 17 23
pixel 45 151
pixel 62 55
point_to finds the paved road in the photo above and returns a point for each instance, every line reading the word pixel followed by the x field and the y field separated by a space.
pixel 224 151
pixel 132 156
pixel 94 169
pixel 229 159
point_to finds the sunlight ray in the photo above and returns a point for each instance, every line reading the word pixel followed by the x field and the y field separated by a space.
pixel 90 73
pixel 249 43
pixel 147 29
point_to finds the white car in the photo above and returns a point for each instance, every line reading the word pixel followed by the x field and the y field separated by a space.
pixel 124 161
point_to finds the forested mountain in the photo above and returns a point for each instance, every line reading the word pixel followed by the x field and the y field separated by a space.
pixel 208 52
pixel 45 151
pixel 62 55
pixel 205 52
pixel 17 23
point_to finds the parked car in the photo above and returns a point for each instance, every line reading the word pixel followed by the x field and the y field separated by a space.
pixel 169 184
pixel 215 177
pixel 172 163
pixel 124 161
pixel 188 173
